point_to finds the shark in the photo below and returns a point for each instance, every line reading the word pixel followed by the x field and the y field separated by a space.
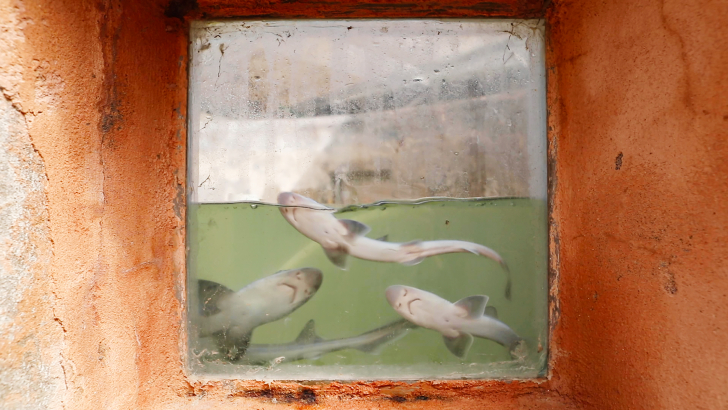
pixel 340 238
pixel 308 345
pixel 230 317
pixel 457 322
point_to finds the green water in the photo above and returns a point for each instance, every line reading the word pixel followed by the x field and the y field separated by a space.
pixel 236 244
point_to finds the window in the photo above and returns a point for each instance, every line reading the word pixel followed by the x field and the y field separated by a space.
pixel 393 172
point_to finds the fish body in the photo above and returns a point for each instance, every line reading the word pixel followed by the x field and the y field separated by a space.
pixel 342 237
pixel 232 316
pixel 457 322
pixel 309 346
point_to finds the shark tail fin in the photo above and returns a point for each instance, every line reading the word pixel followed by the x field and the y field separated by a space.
pixel 509 283
pixel 460 345
pixel 490 253
pixel 308 334
pixel 395 331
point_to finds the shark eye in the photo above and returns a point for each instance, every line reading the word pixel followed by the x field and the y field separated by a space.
pixel 399 304
pixel 298 275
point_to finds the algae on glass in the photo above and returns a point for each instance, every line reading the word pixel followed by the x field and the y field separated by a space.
pixel 422 130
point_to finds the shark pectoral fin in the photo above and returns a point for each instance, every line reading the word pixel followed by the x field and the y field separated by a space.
pixel 308 334
pixel 474 306
pixel 460 345
pixel 337 256
pixel 212 296
pixel 492 312
pixel 354 228
pixel 374 347
pixel 412 247
pixel 413 261
pixel 232 346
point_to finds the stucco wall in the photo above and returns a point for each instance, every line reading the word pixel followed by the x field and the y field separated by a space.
pixel 642 165
pixel 94 115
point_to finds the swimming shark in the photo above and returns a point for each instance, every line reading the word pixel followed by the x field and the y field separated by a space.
pixel 230 317
pixel 342 237
pixel 310 346
pixel 457 322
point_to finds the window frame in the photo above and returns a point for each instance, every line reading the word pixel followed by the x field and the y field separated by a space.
pixel 330 392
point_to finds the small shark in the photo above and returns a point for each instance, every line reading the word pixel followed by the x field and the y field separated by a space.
pixel 457 322
pixel 230 317
pixel 309 346
pixel 342 237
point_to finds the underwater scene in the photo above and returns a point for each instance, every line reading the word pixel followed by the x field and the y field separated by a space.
pixel 366 200
pixel 315 320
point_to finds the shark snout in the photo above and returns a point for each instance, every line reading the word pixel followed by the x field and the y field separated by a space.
pixel 303 282
pixel 312 277
pixel 395 295
pixel 287 198
pixel 292 199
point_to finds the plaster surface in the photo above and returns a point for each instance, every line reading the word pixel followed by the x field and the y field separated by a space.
pixel 641 128
pixel 97 93
pixel 31 339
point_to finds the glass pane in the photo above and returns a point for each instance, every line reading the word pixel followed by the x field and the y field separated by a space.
pixel 393 173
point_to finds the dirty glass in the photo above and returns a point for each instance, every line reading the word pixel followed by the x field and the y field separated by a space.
pixel 367 200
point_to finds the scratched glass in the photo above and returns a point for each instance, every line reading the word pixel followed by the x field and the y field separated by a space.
pixel 417 152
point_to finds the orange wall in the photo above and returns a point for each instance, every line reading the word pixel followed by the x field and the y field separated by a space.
pixel 639 171
pixel 642 202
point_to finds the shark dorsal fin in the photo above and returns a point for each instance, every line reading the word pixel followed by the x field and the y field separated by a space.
pixel 460 345
pixel 308 334
pixel 384 238
pixel 354 228
pixel 492 312
pixel 474 306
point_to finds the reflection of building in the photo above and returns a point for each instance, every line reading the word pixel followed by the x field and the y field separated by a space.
pixel 459 148
pixel 459 128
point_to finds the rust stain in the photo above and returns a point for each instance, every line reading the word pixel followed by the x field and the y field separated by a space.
pixel 367 9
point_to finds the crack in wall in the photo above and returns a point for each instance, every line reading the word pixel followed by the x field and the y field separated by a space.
pixel 675 32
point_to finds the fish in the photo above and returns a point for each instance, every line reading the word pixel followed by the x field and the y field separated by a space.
pixel 340 238
pixel 457 322
pixel 230 317
pixel 308 345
